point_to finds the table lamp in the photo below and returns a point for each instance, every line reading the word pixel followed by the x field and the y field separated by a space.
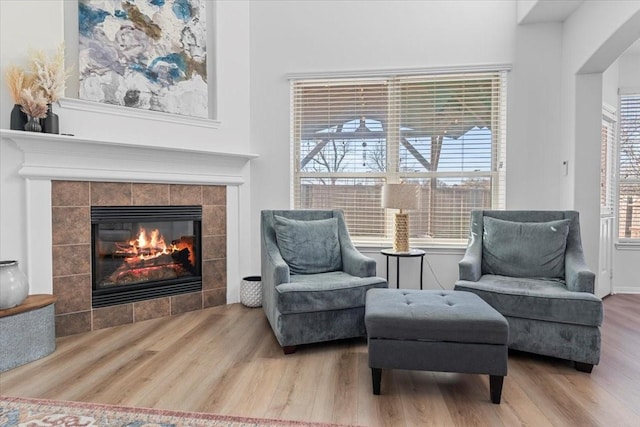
pixel 400 196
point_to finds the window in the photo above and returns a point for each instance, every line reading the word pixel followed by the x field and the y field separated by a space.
pixel 444 132
pixel 629 168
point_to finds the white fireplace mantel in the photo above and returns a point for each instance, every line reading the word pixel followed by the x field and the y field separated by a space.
pixel 26 189
pixel 62 157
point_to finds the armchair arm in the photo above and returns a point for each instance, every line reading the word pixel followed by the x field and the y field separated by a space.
pixel 356 264
pixel 578 276
pixel 274 269
pixel 470 266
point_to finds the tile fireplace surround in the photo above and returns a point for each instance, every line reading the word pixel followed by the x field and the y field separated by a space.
pixel 71 202
pixel 59 177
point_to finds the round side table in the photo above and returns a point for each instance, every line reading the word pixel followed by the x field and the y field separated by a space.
pixel 397 255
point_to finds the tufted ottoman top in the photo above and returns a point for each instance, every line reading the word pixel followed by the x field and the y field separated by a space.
pixel 450 316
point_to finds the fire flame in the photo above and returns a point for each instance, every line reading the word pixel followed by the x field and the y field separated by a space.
pixel 147 246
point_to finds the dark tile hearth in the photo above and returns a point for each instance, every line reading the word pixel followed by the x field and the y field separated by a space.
pixel 71 238
pixel 115 315
pixel 151 309
pixel 70 193
pixel 73 292
pixel 215 297
pixel 150 194
pixel 70 259
pixel 186 302
pixel 111 194
pixel 73 323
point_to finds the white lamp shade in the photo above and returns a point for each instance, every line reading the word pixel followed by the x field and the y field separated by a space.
pixel 400 196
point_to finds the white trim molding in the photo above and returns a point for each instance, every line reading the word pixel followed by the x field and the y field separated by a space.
pixel 136 113
pixel 61 157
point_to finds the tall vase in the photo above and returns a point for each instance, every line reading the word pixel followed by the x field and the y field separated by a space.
pixel 50 123
pixel 18 118
pixel 33 124
pixel 14 286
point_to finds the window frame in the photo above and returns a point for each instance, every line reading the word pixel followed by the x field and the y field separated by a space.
pixel 621 240
pixel 496 175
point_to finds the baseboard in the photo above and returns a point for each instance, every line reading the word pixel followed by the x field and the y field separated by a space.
pixel 626 290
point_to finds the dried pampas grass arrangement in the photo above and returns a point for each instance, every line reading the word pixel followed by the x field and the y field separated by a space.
pixel 34 103
pixel 49 73
pixel 17 80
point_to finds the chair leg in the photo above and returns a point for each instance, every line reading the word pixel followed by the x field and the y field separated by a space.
pixel 495 388
pixel 583 367
pixel 289 349
pixel 376 376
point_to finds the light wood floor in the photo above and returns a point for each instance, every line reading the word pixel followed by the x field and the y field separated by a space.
pixel 225 360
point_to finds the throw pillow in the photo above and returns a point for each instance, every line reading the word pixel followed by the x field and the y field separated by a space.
pixel 524 249
pixel 309 247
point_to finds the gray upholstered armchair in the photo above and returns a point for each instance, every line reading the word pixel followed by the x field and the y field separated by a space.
pixel 314 280
pixel 529 266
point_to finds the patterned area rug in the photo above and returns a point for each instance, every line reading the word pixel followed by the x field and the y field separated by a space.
pixel 48 413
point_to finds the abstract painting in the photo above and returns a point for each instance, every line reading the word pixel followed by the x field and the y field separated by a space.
pixel 147 54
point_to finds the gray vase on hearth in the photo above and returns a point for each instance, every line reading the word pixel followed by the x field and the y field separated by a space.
pixel 14 286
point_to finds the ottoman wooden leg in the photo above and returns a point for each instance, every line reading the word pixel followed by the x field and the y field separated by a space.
pixel 289 349
pixel 584 367
pixel 376 376
pixel 495 388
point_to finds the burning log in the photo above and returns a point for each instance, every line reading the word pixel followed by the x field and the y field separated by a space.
pixel 146 274
pixel 188 243
pixel 165 266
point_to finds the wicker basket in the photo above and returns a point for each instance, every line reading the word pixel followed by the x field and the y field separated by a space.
pixel 251 291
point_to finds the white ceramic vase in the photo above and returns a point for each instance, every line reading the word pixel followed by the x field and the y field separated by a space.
pixel 14 286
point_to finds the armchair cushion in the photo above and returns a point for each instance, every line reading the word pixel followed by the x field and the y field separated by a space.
pixel 334 290
pixel 545 300
pixel 524 249
pixel 309 247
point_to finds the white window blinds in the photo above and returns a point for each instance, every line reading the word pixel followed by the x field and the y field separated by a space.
pixel 444 132
pixel 607 162
pixel 629 168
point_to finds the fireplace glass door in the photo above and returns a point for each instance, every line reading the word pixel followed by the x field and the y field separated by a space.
pixel 145 252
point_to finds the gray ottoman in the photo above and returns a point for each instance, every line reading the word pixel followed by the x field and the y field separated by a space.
pixel 448 331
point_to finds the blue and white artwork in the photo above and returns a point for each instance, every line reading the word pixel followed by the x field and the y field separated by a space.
pixel 148 54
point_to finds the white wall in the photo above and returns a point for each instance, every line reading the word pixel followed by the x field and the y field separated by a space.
pixel 16 41
pixel 626 260
pixel 610 85
pixel 593 37
pixel 534 119
pixel 629 71
pixel 259 43
pixel 19 23
pixel 316 37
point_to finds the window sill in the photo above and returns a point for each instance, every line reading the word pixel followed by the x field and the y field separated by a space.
pixel 434 248
pixel 628 246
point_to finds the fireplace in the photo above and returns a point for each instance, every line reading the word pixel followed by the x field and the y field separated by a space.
pixel 144 252
pixel 59 178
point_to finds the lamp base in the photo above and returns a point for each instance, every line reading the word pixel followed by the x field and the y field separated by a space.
pixel 401 237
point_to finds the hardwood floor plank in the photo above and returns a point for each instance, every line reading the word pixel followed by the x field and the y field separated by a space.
pixel 421 398
pixel 517 408
pixel 225 360
pixel 344 402
pixel 559 406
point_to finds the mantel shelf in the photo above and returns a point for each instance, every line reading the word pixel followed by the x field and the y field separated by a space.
pixel 74 158
pixel 34 137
